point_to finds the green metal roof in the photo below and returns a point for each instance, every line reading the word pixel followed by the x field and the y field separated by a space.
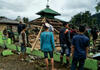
pixel 47 10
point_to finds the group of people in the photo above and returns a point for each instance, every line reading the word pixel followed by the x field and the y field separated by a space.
pixel 8 33
pixel 71 42
pixel 94 34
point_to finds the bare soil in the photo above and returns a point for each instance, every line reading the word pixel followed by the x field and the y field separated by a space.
pixel 12 62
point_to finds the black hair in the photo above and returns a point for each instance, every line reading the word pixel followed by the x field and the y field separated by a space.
pixel 20 22
pixel 65 23
pixel 81 28
pixel 73 27
pixel 45 27
pixel 23 27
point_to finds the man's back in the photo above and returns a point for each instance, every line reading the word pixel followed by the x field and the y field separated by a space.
pixel 62 36
pixel 20 28
pixel 47 41
pixel 80 43
pixel 79 49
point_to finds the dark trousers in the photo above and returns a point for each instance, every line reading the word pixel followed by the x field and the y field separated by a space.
pixel 50 53
pixel 75 61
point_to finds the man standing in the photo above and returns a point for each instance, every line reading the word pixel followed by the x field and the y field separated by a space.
pixel 65 43
pixel 79 49
pixel 23 42
pixel 47 45
pixel 11 35
pixel 94 35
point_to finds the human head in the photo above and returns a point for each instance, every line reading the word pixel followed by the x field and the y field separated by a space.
pixel 20 22
pixel 82 28
pixel 46 26
pixel 66 25
pixel 23 27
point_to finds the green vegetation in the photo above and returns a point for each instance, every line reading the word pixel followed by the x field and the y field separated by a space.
pixel 97 7
pixel 26 20
pixel 87 19
pixel 83 18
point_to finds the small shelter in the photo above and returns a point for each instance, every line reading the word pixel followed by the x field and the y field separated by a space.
pixel 5 23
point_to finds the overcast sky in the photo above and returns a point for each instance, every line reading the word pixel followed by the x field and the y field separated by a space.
pixel 28 8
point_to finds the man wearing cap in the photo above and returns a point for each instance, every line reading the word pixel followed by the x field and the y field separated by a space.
pixel 65 43
pixel 47 45
pixel 51 29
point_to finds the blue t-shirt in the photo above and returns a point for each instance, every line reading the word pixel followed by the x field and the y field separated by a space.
pixel 80 43
pixel 47 41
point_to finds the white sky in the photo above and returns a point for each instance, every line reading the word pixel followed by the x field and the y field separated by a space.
pixel 28 8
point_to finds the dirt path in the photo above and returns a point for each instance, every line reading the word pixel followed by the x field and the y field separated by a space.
pixel 12 63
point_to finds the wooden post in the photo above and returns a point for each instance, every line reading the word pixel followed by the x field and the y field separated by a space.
pixel 34 44
pixel 56 30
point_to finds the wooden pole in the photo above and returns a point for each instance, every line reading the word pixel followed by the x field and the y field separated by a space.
pixel 36 26
pixel 56 30
pixel 34 44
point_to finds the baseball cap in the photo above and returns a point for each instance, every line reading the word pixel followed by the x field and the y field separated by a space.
pixel 47 25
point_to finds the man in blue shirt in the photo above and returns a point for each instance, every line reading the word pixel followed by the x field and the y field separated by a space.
pixel 47 45
pixel 19 28
pixel 79 49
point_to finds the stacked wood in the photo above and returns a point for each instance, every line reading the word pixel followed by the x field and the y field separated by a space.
pixel 56 23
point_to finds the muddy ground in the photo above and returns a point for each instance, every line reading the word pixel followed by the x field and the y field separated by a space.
pixel 13 63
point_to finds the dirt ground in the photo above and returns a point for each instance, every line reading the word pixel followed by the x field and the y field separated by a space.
pixel 13 63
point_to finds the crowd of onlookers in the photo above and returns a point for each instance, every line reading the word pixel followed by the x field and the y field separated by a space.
pixel 73 42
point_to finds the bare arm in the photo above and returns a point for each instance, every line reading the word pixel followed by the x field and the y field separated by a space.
pixel 87 51
pixel 23 39
pixel 66 31
pixel 72 49
pixel 87 48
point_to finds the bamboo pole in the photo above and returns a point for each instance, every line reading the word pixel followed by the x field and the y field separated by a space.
pixel 34 44
pixel 56 30
pixel 36 25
